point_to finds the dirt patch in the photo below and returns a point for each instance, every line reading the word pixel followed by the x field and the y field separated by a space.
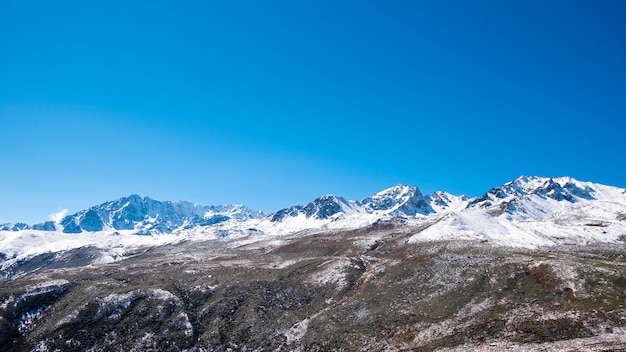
pixel 544 275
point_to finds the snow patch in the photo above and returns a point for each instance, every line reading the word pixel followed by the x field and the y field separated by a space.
pixel 333 273
pixel 116 303
pixel 184 320
pixel 296 332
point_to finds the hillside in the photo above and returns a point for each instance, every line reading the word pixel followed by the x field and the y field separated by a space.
pixel 344 291
pixel 537 264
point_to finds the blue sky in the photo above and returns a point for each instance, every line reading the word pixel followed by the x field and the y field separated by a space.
pixel 273 103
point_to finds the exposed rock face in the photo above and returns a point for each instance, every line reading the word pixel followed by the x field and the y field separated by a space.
pixel 399 200
pixel 148 216
pixel 367 289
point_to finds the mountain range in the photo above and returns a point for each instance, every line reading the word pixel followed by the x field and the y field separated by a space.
pixel 523 198
pixel 143 215
pixel 536 264
pixel 529 211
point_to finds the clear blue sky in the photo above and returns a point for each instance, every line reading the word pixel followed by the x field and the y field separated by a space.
pixel 273 103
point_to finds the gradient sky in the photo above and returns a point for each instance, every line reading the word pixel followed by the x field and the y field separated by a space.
pixel 274 103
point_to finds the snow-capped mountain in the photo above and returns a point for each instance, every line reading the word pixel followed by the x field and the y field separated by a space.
pixel 400 200
pixel 525 198
pixel 537 211
pixel 537 197
pixel 526 212
pixel 44 226
pixel 14 227
pixel 322 208
pixel 148 216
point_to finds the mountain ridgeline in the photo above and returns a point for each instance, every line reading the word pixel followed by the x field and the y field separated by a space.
pixel 149 216
pixel 522 198
pixel 537 264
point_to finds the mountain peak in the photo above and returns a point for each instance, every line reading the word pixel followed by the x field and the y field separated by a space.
pixel 557 188
pixel 526 184
pixel 329 197
pixel 325 207
pixel 396 191
pixel 146 215
pixel 398 200
pixel 531 195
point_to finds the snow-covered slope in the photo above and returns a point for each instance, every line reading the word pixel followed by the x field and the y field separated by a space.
pixel 534 211
pixel 474 224
pixel 538 197
pixel 528 212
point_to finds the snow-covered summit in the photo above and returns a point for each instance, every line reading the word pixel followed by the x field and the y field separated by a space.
pixel 398 200
pixel 322 208
pixel 559 188
pixel 531 197
pixel 146 215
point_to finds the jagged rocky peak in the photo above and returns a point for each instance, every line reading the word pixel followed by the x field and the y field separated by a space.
pixel 147 215
pixel 44 226
pixel 521 186
pixel 326 206
pixel 398 200
pixel 530 196
pixel 561 188
pixel 322 208
pixel 125 211
pixel 390 197
pixel 14 227
pixel 235 211
pixel 576 188
pixel 282 214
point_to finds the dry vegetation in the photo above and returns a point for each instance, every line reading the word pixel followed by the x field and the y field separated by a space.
pixel 343 291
